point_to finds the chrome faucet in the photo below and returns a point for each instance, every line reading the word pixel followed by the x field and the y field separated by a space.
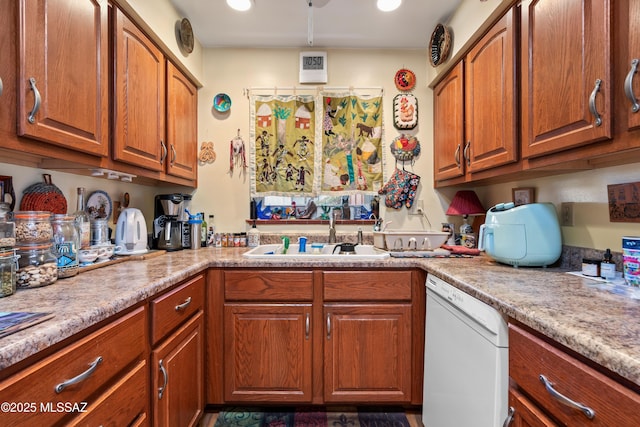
pixel 332 228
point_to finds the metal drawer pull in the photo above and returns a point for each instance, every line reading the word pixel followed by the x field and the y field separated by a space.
pixel 166 380
pixel 457 156
pixel 184 305
pixel 509 419
pixel 36 102
pixel 592 103
pixel 83 376
pixel 328 326
pixel 307 326
pixel 628 86
pixel 588 412
pixel 1 87
pixel 164 152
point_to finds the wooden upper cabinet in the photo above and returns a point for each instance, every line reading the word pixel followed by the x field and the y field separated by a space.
pixel 182 113
pixel 566 74
pixel 63 73
pixel 448 125
pixel 491 131
pixel 139 110
pixel 627 43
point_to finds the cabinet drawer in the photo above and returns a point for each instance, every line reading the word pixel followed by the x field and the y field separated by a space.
pixel 121 404
pixel 117 345
pixel 367 285
pixel 171 309
pixel 530 357
pixel 249 285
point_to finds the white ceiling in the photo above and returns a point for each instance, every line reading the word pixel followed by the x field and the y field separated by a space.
pixel 336 23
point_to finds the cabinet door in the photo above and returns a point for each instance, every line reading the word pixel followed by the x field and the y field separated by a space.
pixel 63 73
pixel 565 53
pixel 267 352
pixel 525 413
pixel 178 376
pixel 182 129
pixel 367 353
pixel 448 125
pixel 628 63
pixel 490 96
pixel 139 111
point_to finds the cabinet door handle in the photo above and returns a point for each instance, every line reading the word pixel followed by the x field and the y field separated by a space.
pixel 166 380
pixel 592 103
pixel 184 305
pixel 328 326
pixel 36 101
pixel 1 86
pixel 509 419
pixel 307 326
pixel 465 153
pixel 588 412
pixel 628 86
pixel 81 377
pixel 456 156
pixel 173 154
pixel 164 151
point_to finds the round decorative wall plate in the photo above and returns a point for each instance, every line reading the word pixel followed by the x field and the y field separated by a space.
pixel 405 111
pixel 185 33
pixel 222 102
pixel 405 79
pixel 439 45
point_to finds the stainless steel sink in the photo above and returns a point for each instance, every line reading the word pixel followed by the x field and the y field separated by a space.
pixel 274 251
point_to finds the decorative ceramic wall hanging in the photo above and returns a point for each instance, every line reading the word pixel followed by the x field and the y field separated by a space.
pixel 405 80
pixel 405 111
pixel 405 147
pixel 207 153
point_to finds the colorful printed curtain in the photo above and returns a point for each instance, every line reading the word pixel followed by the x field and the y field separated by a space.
pixel 284 146
pixel 352 152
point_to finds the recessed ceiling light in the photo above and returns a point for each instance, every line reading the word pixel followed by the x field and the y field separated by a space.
pixel 388 5
pixel 240 5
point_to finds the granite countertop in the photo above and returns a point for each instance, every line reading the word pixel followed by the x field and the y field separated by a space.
pixel 576 312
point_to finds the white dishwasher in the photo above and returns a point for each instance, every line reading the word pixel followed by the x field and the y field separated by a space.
pixel 466 378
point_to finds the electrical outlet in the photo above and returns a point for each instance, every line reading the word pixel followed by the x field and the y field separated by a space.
pixel 417 208
pixel 566 214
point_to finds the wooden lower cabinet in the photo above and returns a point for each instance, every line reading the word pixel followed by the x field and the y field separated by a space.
pixel 178 376
pixel 267 352
pixel 367 353
pixel 319 337
pixel 597 399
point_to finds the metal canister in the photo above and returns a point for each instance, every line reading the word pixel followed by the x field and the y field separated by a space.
pixel 99 231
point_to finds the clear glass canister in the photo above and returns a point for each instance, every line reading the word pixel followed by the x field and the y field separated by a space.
pixel 7 228
pixel 32 227
pixel 66 241
pixel 7 273
pixel 37 266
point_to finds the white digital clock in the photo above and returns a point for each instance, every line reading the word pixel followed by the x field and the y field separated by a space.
pixel 313 67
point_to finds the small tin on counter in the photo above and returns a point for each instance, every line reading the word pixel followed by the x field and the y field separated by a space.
pixel 591 267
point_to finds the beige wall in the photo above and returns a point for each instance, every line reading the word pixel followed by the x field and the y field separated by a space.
pixel 232 70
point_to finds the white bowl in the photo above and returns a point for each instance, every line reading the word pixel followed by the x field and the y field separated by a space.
pixel 87 255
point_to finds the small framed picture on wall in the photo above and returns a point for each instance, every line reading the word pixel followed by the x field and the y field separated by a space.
pixel 523 196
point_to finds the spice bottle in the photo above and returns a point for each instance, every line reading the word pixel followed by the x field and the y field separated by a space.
pixel 607 266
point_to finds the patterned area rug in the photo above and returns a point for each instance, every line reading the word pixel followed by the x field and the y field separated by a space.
pixel 301 417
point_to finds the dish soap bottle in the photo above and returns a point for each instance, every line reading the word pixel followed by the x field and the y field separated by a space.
pixel 607 266
pixel 253 236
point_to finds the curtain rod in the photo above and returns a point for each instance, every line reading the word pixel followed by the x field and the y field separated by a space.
pixel 312 88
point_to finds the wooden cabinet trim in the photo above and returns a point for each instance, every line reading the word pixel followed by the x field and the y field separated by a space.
pixel 255 285
pixel 367 285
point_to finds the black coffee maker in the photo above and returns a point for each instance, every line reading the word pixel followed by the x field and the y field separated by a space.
pixel 167 228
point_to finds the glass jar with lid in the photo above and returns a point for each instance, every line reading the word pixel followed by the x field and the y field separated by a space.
pixel 7 273
pixel 7 227
pixel 37 266
pixel 66 241
pixel 32 227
